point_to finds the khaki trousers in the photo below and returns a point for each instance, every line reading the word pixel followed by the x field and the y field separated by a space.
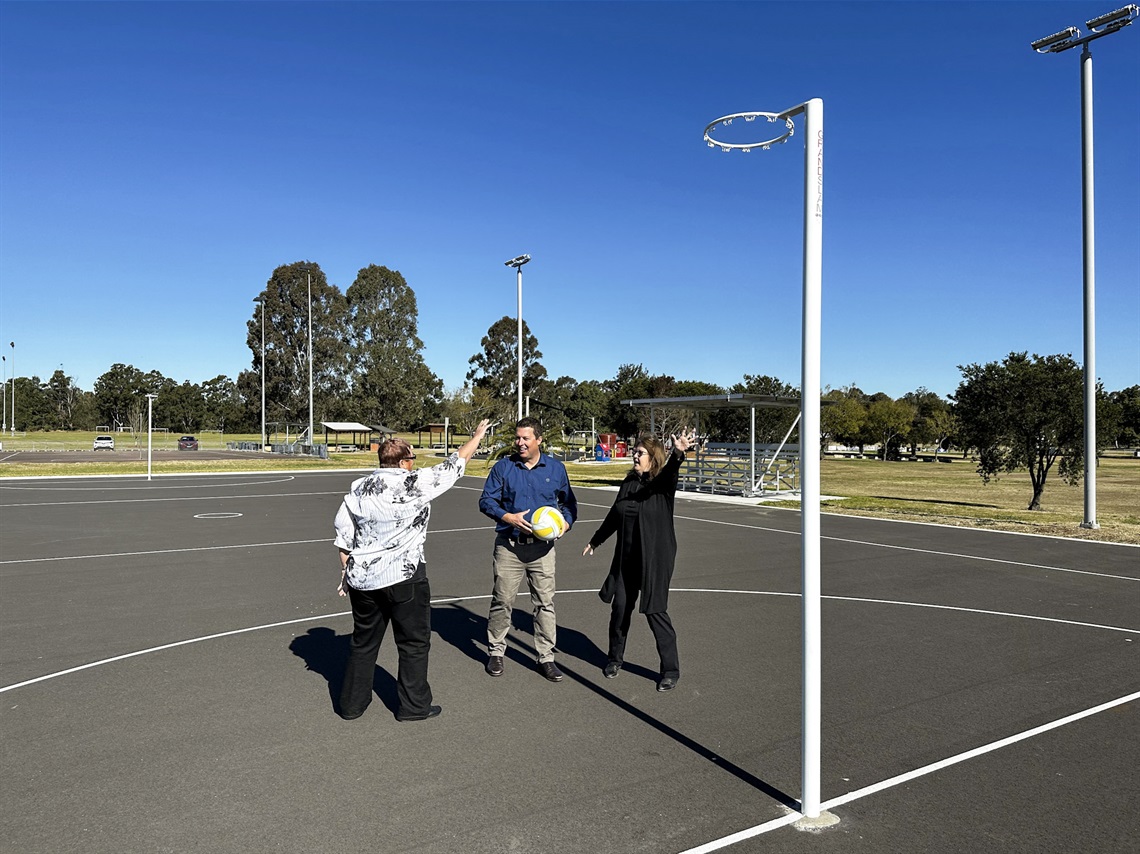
pixel 511 561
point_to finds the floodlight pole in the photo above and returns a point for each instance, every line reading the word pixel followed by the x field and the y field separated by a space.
pixel 309 275
pixel 1088 242
pixel 809 430
pixel 261 301
pixel 12 344
pixel 1062 41
pixel 4 374
pixel 517 263
pixel 149 410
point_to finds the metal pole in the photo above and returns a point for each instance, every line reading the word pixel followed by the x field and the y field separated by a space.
pixel 310 277
pixel 519 269
pixel 13 344
pixel 4 374
pixel 149 410
pixel 809 456
pixel 752 450
pixel 263 375
pixel 1089 286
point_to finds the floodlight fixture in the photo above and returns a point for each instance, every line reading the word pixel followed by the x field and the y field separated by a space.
pixel 517 262
pixel 1122 17
pixel 1057 41
pixel 1102 25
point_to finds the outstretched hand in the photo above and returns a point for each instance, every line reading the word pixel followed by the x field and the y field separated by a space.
pixel 683 441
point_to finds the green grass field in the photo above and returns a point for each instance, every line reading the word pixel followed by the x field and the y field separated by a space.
pixel 950 494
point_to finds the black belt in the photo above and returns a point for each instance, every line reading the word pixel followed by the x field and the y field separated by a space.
pixel 525 539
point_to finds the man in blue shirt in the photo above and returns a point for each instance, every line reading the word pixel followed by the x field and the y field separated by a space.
pixel 517 486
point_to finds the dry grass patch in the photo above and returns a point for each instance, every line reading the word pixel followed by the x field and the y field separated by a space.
pixel 954 494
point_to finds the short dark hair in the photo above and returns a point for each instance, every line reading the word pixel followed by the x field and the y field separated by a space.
pixel 533 423
pixel 391 451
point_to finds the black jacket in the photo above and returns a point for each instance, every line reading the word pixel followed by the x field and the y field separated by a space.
pixel 645 507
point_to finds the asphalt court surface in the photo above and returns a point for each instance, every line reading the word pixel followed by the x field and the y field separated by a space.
pixel 170 651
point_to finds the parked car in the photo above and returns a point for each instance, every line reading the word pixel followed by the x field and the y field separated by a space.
pixel 187 443
pixel 104 443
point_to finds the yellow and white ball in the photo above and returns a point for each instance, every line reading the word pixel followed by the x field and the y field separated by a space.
pixel 547 523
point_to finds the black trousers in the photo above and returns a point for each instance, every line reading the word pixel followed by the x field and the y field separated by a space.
pixel 407 606
pixel 621 614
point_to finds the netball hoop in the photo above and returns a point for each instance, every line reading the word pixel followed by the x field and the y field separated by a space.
pixel 725 121
pixel 809 421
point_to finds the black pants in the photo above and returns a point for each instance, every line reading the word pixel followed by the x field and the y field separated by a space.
pixel 621 613
pixel 407 607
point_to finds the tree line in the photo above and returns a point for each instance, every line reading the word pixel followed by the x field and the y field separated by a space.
pixel 368 366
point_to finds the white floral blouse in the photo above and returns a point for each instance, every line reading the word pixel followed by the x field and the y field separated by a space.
pixel 383 521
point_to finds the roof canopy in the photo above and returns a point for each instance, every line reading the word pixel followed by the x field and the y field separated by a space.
pixel 736 400
pixel 354 427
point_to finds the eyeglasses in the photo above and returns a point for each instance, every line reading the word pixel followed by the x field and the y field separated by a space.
pixel 640 454
pixel 409 459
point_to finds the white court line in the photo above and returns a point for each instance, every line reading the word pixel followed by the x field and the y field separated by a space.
pixel 742 835
pixel 168 551
pixel 918 550
pixel 139 652
pixel 582 521
pixel 891 782
pixel 452 599
pixel 176 498
pixel 150 486
pixel 481 528
pixel 687 518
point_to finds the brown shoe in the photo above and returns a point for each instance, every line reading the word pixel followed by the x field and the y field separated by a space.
pixel 495 665
pixel 550 671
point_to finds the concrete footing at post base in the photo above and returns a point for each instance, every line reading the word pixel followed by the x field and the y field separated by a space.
pixel 814 825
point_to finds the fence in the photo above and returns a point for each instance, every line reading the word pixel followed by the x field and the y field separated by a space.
pixel 723 468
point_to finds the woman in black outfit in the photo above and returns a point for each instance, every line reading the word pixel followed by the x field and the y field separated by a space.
pixel 642 516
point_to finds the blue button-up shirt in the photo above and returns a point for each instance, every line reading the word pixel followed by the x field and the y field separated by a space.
pixel 511 488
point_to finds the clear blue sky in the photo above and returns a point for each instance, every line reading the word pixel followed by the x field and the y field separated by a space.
pixel 159 160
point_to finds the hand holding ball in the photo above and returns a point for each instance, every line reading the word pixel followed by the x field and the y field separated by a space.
pixel 547 524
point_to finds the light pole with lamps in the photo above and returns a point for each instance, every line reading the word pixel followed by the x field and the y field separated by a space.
pixel 517 263
pixel 309 275
pixel 149 410
pixel 261 302
pixel 4 374
pixel 12 344
pixel 809 428
pixel 1056 43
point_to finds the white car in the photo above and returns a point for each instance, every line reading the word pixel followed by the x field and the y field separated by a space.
pixel 104 443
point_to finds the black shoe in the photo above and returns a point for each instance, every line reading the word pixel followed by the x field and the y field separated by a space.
pixel 612 669
pixel 495 665
pixel 433 711
pixel 667 683
pixel 550 671
pixel 351 717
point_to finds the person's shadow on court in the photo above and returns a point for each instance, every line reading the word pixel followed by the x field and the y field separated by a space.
pixel 465 630
pixel 325 652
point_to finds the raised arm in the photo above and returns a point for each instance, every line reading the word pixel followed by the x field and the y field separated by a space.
pixel 467 449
